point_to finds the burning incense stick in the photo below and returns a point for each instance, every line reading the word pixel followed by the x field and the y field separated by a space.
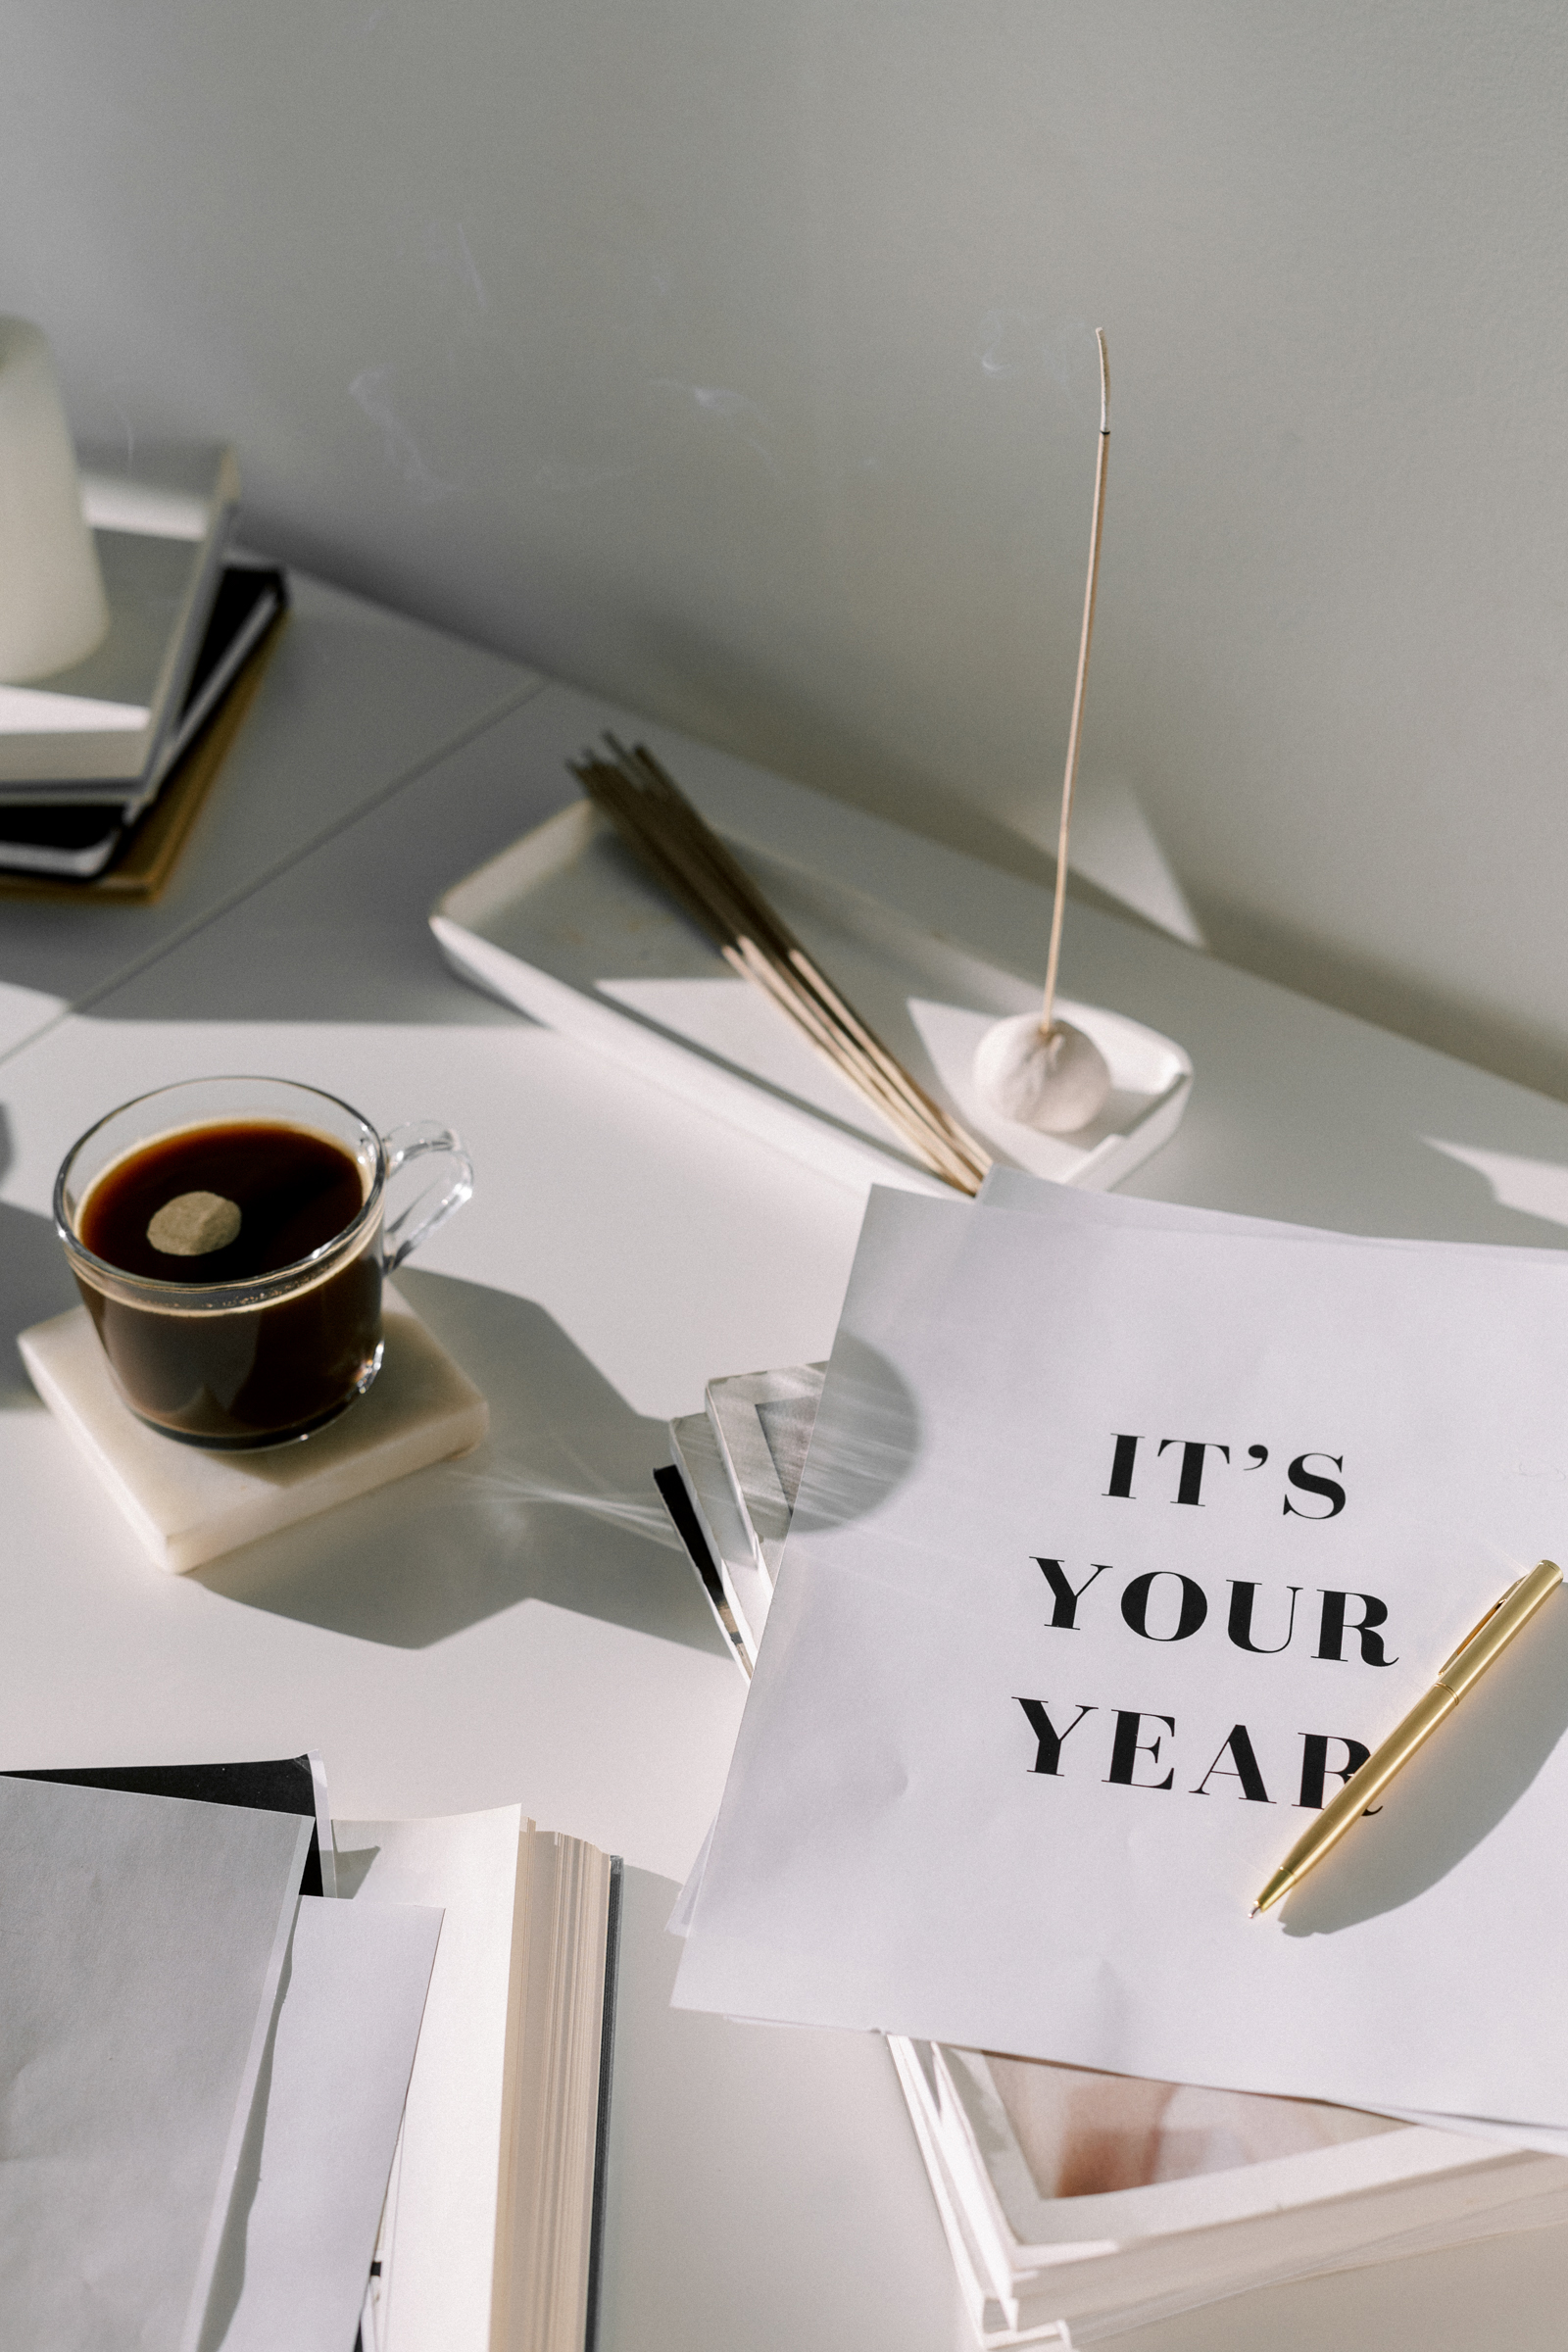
pixel 1036 1069
pixel 1069 781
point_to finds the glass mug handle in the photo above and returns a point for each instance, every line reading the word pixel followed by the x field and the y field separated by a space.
pixel 437 1201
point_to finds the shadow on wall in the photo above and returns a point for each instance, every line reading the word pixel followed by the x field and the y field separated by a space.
pixel 558 1506
pixel 1117 863
pixel 706 679
pixel 1535 1188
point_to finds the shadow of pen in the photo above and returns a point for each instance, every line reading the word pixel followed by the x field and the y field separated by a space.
pixel 1460 1785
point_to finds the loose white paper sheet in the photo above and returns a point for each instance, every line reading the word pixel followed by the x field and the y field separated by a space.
pixel 141 1942
pixel 895 1849
pixel 302 2223
pixel 440 2233
pixel 1010 1189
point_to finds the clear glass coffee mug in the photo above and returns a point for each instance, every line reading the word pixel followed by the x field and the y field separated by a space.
pixel 203 1345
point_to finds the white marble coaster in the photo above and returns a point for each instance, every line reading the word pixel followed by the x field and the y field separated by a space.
pixel 188 1505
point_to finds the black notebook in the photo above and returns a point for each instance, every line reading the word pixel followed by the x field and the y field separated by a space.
pixel 278 1784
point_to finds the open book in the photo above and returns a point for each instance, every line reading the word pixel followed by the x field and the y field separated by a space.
pixel 490 2237
pixel 1075 2204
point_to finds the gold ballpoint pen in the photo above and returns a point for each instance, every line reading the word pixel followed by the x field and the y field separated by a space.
pixel 1468 1663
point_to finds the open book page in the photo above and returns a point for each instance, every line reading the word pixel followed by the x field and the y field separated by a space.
pixel 435 2294
pixel 1217 1509
pixel 486 2242
pixel 544 2240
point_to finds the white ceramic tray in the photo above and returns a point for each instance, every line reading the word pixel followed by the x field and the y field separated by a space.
pixel 565 925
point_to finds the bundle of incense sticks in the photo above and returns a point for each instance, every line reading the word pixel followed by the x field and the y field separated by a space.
pixel 654 817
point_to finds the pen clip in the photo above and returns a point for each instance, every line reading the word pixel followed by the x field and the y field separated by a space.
pixel 1477 1627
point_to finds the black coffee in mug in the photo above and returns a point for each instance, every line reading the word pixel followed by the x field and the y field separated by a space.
pixel 229 1238
pixel 219 1205
pixel 261 1196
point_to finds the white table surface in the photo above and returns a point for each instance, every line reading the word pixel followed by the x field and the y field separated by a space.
pixel 523 1624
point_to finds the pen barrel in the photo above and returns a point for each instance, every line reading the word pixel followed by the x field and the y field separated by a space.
pixel 1467 1664
pixel 1515 1609
pixel 1367 1785
pixel 1360 1791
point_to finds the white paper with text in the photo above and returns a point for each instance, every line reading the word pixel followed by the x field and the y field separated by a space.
pixel 1026 1807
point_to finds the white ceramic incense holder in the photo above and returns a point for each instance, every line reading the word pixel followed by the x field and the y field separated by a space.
pixel 1056 1081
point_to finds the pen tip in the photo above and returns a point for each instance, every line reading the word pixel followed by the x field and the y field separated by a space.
pixel 1255 1910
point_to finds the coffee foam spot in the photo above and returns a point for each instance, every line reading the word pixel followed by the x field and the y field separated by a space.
pixel 192 1224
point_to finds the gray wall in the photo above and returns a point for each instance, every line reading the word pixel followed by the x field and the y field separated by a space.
pixel 738 360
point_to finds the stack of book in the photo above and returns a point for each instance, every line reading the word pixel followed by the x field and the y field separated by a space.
pixel 273 2080
pixel 101 765
pixel 1077 2204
